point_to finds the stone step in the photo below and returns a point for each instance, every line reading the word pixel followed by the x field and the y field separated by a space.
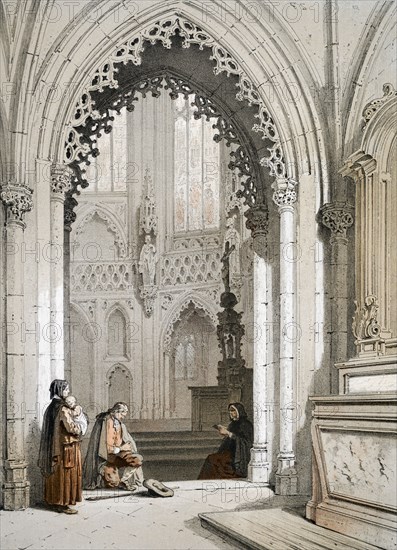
pixel 175 436
pixel 277 529
pixel 175 455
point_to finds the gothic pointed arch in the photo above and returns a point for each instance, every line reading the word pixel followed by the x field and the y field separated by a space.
pixel 89 119
pixel 288 93
pixel 117 324
pixel 119 383
pixel 174 315
pixel 111 221
pixel 379 28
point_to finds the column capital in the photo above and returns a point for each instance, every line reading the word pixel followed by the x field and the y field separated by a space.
pixel 285 192
pixel 18 200
pixel 61 176
pixel 338 217
pixel 258 221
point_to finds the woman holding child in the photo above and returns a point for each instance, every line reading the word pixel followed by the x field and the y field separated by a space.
pixel 60 456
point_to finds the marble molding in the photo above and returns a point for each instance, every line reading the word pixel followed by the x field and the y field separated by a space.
pixel 354 466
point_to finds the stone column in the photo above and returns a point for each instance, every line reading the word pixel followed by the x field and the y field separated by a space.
pixel 258 469
pixel 16 489
pixel 286 476
pixel 338 217
pixel 66 302
pixel 69 218
pixel 166 363
pixel 60 184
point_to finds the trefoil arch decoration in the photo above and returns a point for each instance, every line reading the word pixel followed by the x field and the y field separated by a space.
pixel 88 121
pixel 111 222
pixel 177 313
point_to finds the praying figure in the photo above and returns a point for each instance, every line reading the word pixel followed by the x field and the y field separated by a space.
pixel 147 262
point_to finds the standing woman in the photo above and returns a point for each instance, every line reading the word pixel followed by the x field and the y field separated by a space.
pixel 60 454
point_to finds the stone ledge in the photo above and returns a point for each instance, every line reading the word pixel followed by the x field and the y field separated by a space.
pixel 277 529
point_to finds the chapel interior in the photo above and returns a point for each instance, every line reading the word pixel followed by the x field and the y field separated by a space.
pixel 198 208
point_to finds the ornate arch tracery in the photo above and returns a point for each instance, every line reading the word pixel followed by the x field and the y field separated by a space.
pixel 111 222
pixel 177 313
pixel 91 119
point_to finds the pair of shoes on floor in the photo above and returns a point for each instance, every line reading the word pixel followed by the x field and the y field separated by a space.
pixel 66 510
pixel 157 489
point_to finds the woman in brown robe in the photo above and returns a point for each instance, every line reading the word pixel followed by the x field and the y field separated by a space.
pixel 60 454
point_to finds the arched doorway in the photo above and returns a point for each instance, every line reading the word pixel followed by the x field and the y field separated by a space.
pixel 257 146
pixel 49 144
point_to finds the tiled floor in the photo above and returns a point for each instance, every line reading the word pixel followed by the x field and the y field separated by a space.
pixel 138 522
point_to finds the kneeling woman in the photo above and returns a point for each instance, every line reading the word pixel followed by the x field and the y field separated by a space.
pixel 231 460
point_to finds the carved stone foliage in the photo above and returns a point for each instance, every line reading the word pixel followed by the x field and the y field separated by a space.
pixel 275 162
pixel 148 295
pixel 166 301
pixel 98 277
pixel 284 192
pixel 194 243
pixel 371 108
pixel 200 267
pixel 365 324
pixel 18 201
pixel 338 217
pixel 258 222
pixel 60 179
pixel 212 294
pixel 88 122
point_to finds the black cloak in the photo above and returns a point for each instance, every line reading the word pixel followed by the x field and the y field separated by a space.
pixel 91 476
pixel 240 444
pixel 46 452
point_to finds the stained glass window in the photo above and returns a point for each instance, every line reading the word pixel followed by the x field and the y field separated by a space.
pixel 108 171
pixel 185 359
pixel 196 170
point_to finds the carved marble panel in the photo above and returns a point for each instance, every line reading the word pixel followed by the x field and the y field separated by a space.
pixel 361 465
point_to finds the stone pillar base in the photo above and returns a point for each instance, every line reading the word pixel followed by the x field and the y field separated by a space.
pixel 258 468
pixel 16 488
pixel 286 484
pixel 286 476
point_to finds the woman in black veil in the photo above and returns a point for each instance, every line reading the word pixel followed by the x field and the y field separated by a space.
pixel 60 454
pixel 233 456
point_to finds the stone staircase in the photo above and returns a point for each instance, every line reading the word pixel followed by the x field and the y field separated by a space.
pixel 175 456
